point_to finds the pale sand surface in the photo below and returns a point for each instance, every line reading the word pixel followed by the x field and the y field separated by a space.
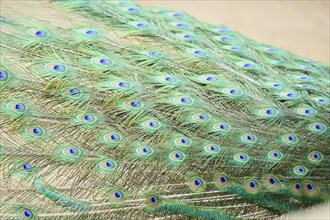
pixel 299 26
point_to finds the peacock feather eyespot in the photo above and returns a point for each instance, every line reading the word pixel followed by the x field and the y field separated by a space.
pixel 87 119
pixel 241 158
pixel 317 127
pixel 56 68
pixel 117 196
pixel 268 113
pixel 232 48
pixel 307 68
pixel 91 32
pixel 35 131
pixel 177 156
pixel 153 200
pixel 37 33
pixel 247 65
pixel 309 188
pixel 211 149
pixel 320 100
pixel 71 154
pixel 222 180
pixel 167 79
pixel 300 170
pixel 252 186
pixel 133 105
pixel 196 52
pixel 224 39
pixel 290 95
pixel 221 127
pixel 26 213
pixel 186 36
pixel 289 139
pixel 24 168
pixel 111 138
pixel 140 25
pixel 200 117
pixel 4 76
pixel 275 155
pixel 296 188
pixel 133 10
pixel 151 125
pixel 196 184
pixel 154 54
pixel 183 101
pixel 16 107
pixel 207 79
pixel 248 138
pixel 271 182
pixel 305 111
pixel 107 165
pixel 315 157
pixel 102 61
pixel 182 142
pixel 120 85
pixel 233 93
pixel 144 151
pixel 181 25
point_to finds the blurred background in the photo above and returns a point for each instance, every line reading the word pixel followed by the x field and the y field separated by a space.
pixel 299 26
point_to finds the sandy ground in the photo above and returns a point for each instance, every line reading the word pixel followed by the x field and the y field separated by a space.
pixel 299 26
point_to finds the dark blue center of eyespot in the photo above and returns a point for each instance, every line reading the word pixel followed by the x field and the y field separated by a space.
pixel 27 213
pixel 146 150
pixel 272 181
pixel 37 131
pixel 91 32
pixel 114 137
pixel 143 26
pixel 319 127
pixel 74 92
pixel 133 10
pixel 281 62
pixel 304 78
pixel 170 79
pixel 226 38
pixel 118 195
pixel 250 137
pixel 123 84
pixel 316 156
pixel 223 31
pixel 19 107
pixel 249 65
pixel 89 117
pixel 3 75
pixel 185 100
pixel 308 68
pixel 277 85
pixel 198 182
pixel 27 167
pixel 109 164
pixel 234 92
pixel 41 33
pixel 199 53
pixel 214 148
pixel 277 154
pixel 184 141
pixel 253 184
pixel 59 67
pixel 291 95
pixel 292 138
pixel 223 126
pixel 153 124
pixel 105 61
pixel 154 199
pixel 272 50
pixel 298 186
pixel 236 48
pixel 310 187
pixel 301 169
pixel 271 112
pixel 178 15
pixel 211 78
pixel 203 117
pixel 135 104
pixel 242 157
pixel 182 25
pixel 322 100
pixel 223 179
pixel 190 37
pixel 73 151
pixel 309 111
pixel 178 155
pixel 154 54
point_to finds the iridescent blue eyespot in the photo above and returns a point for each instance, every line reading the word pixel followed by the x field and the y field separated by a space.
pixel 235 48
pixel 41 33
pixel 214 148
pixel 20 107
pixel 203 117
pixel 178 15
pixel 223 179
pixel 154 54
pixel 234 92
pixel 198 182
pixel 211 78
pixel 199 53
pixel 185 100
pixel 249 65
pixel 146 150
pixel 118 194
pixel 91 32
pixel 226 38
pixel 253 184
pixel 37 131
pixel 310 187
pixel 74 92
pixel 278 85
pixel 73 151
pixel 89 117
pixel 114 137
pixel 135 104
pixel 292 138
pixel 298 186
pixel 308 68
pixel 27 167
pixel 109 164
pixel 291 95
pixel 153 124
pixel 189 37
pixel 3 75
pixel 178 155
pixel 182 25
pixel 170 79
pixel 243 157
pixel 142 26
pixel 305 78
pixel 105 61
pixel 59 67
pixel 309 111
pixel 133 10
pixel 301 169
pixel 154 200
pixel 316 156
pixel 27 213
pixel 123 84
pixel 272 180
pixel 277 154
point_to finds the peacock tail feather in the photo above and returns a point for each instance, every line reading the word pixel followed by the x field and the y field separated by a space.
pixel 114 111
